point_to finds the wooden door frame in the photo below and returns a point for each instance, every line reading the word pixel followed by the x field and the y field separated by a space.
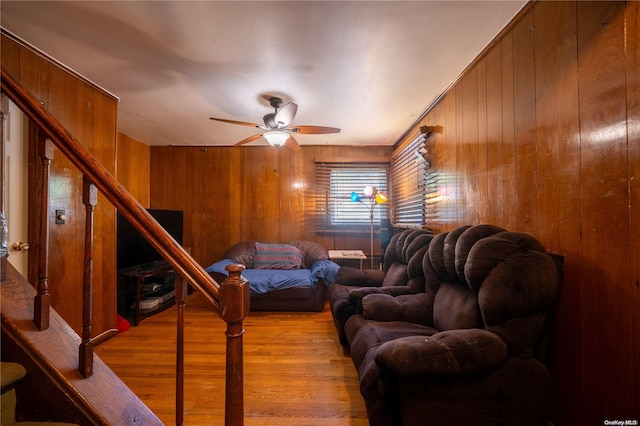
pixel 4 244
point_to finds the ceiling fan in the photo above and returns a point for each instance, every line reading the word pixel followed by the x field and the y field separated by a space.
pixel 277 128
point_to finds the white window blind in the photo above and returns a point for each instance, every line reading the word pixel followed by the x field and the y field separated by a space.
pixel 408 184
pixel 335 181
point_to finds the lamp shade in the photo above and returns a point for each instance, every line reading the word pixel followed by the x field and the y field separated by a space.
pixel 370 191
pixel 276 137
pixel 381 197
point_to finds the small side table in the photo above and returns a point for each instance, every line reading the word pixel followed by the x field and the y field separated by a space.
pixel 347 254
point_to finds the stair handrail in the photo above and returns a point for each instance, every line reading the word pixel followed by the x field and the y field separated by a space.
pixel 113 190
pixel 231 300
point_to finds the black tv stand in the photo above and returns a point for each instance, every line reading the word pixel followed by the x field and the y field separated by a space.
pixel 145 290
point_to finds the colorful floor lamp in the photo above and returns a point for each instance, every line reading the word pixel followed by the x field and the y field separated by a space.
pixel 375 198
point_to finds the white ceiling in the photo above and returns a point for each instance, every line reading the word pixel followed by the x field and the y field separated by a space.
pixel 370 68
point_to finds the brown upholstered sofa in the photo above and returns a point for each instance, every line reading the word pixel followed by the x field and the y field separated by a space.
pixel 468 350
pixel 308 297
pixel 401 274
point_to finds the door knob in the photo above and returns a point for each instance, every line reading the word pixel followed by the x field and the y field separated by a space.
pixel 19 246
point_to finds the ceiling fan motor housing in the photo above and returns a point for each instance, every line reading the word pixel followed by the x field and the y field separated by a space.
pixel 270 120
pixel 276 102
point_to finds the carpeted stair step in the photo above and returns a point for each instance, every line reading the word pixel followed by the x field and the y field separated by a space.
pixel 11 373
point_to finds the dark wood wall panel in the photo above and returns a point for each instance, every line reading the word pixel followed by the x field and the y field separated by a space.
pixel 558 91
pixel 449 155
pixel 559 191
pixel 90 115
pixel 133 160
pixel 10 55
pixel 632 20
pixel 103 147
pixel 495 171
pixel 524 92
pixel 34 74
pixel 508 183
pixel 233 194
pixel 605 200
pixel 66 257
pixel 461 208
pixel 66 241
pixel 483 200
pixel 468 159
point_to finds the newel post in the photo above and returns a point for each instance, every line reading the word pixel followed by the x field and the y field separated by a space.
pixel 234 307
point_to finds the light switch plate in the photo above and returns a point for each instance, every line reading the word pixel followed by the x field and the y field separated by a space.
pixel 61 217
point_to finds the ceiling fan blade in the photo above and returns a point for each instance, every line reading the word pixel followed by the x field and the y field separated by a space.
pixel 285 115
pixel 292 144
pixel 247 140
pixel 313 130
pixel 242 123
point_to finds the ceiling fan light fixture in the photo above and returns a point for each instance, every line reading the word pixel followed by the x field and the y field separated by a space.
pixel 276 137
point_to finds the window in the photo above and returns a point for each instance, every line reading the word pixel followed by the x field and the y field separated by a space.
pixel 410 183
pixel 335 181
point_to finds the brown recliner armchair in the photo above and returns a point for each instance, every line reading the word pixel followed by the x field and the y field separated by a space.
pixel 401 274
pixel 466 350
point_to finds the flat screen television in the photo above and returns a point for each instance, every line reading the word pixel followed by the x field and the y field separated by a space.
pixel 133 249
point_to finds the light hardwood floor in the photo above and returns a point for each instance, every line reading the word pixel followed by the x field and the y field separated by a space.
pixel 295 371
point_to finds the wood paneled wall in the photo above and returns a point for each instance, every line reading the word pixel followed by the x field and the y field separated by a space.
pixel 133 162
pixel 541 134
pixel 233 194
pixel 90 115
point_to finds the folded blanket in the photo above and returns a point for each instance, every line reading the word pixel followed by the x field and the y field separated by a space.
pixel 325 270
pixel 266 280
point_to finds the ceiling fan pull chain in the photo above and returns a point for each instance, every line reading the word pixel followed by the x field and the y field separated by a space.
pixel 276 168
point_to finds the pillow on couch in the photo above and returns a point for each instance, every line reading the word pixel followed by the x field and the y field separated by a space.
pixel 277 256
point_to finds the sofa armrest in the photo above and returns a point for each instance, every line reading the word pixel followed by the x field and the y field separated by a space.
pixel 357 294
pixel 360 292
pixel 360 277
pixel 415 308
pixel 445 353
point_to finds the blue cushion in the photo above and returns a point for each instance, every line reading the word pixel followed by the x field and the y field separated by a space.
pixel 220 265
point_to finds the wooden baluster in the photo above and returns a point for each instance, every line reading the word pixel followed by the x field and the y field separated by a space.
pixel 181 296
pixel 85 355
pixel 234 307
pixel 42 300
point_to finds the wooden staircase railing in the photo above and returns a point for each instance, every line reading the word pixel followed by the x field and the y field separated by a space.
pixel 231 298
